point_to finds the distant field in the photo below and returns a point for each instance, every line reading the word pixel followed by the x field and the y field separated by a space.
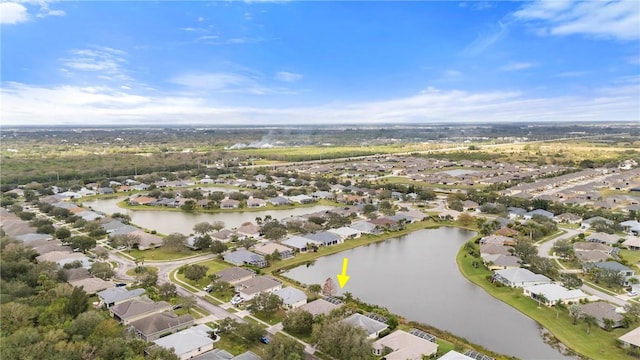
pixel 330 152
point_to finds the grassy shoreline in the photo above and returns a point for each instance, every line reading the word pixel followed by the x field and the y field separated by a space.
pixel 599 344
pixel 124 205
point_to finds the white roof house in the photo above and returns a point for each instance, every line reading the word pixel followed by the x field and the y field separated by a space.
pixel 188 343
pixel 518 277
pixel 404 346
pixel 454 355
pixel 291 297
pixel 300 243
pixel 631 339
pixel 117 295
pixel 632 243
pixel 346 232
pixel 553 293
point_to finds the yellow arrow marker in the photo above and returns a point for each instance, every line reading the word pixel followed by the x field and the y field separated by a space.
pixel 343 278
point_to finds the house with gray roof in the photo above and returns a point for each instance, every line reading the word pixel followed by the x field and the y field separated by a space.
pixel 603 238
pixel 568 218
pixel 531 214
pixel 116 295
pixel 219 354
pixel 324 238
pixel 234 275
pixel 154 326
pixel 302 199
pixel 248 289
pixel 291 297
pixel 602 310
pixel 188 343
pixel 365 227
pixel 245 257
pixel 454 355
pixel 586 224
pixel 300 243
pixel 370 326
pixel 33 237
pixel 632 243
pixel 631 340
pixel 515 212
pixel 517 277
pixel 269 248
pixel 135 309
pixel 401 345
pixel 279 200
pixel 624 271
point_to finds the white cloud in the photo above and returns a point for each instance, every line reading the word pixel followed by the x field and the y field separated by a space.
pixel 107 63
pixel 452 73
pixel 516 66
pixel 287 76
pixel 13 13
pixel 607 19
pixel 485 40
pixel 244 82
pixel 64 104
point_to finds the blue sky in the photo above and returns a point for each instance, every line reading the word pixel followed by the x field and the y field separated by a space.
pixel 303 62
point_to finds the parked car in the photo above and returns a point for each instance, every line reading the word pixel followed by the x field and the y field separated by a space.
pixel 632 293
pixel 264 340
pixel 236 300
pixel 208 288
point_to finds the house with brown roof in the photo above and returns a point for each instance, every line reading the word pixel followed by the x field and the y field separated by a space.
pixel 234 275
pixel 134 309
pixel 269 248
pixel 154 326
pixel 401 345
pixel 248 289
pixel 605 314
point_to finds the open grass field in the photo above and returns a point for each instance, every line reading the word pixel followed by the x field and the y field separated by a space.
pixel 165 254
pixel 598 344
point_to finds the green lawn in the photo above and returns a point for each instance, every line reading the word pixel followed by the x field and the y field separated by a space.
pixel 213 267
pixel 272 319
pixel 132 272
pixel 632 256
pixel 163 254
pixel 599 344
pixel 404 180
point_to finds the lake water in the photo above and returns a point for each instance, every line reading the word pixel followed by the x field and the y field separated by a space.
pixel 167 222
pixel 416 276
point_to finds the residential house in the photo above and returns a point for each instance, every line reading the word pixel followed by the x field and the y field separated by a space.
pixel 370 326
pixel 516 212
pixel 279 200
pixel 224 235
pixel 589 252
pixel 249 229
pixel 256 203
pixel 229 204
pixel 603 238
pixel 324 238
pixel 234 275
pixel 91 285
pixel 529 215
pixel 496 240
pixel 401 345
pixel 631 226
pixel 448 214
pixel 142 200
pixel 147 241
pixel 291 297
pixel 153 326
pixel 632 243
pixel 322 306
pixel 519 278
pixel 248 289
pixel 454 355
pixel 602 310
pixel 568 218
pixel 302 199
pixel 365 227
pixel 138 308
pixel 631 340
pixel 270 247
pixel 346 232
pixel 322 195
pixel 550 294
pixel 300 243
pixel 626 272
pixel 415 215
pixel 117 295
pixel 501 262
pixel 385 223
pixel 586 224
pixel 219 354
pixel 188 343
pixel 243 257
pixel 469 205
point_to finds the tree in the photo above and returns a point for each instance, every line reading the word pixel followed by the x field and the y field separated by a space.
pixel 78 302
pixel 102 270
pixel 217 225
pixel 63 233
pixel 188 302
pixel 329 288
pixel 167 291
pixel 249 332
pixel 82 242
pixel 85 324
pixel 342 341
pixel 314 289
pixel 284 348
pixel 195 272
pixel 298 322
pixel 633 310
pixel 465 219
pixel 127 240
pixel 202 228
pixel 265 303
pixel 175 241
pixel 218 247
pixel 590 321
pixel 147 279
pixel 563 248
pixel 160 353
pixel 202 242
pixel 575 311
pixel 571 281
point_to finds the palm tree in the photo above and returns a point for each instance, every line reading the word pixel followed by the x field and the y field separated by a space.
pixel 541 299
pixel 258 220
pixel 314 288
pixel 575 311
pixel 590 320
pixel 348 297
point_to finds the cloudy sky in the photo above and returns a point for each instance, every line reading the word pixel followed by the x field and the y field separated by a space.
pixel 290 62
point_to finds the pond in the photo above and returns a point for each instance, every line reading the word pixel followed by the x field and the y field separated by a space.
pixel 416 276
pixel 167 222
